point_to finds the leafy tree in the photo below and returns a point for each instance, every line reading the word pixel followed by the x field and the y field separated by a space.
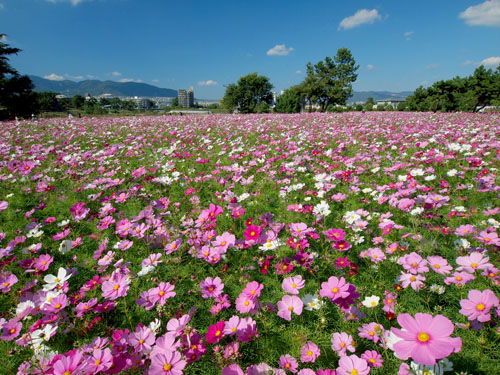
pixel 248 94
pixel 16 91
pixel 329 82
pixel 77 101
pixel 175 102
pixel 370 101
pixel 47 102
pixel 289 101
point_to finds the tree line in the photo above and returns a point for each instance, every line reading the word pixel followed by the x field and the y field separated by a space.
pixel 326 87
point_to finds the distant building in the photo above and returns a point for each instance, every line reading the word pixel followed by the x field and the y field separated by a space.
pixel 392 101
pixel 186 98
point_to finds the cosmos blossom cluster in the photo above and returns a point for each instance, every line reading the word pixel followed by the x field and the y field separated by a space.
pixel 304 244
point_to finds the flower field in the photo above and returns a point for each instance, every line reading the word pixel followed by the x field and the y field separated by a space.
pixel 302 244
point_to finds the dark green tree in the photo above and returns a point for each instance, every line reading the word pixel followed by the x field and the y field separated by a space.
pixel 175 102
pixel 47 102
pixel 329 82
pixel 16 91
pixel 247 95
pixel 77 101
pixel 289 101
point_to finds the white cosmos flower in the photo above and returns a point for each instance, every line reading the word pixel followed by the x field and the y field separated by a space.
pixel 54 281
pixel 311 302
pixel 146 270
pixel 65 246
pixel 371 301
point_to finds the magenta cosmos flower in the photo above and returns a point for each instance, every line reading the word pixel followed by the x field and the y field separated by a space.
pixel 425 338
pixel 352 365
pixel 478 305
pixel 289 304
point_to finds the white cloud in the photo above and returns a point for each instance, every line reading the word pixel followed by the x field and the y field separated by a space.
pixel 125 80
pixel 73 2
pixel 360 17
pixel 370 67
pixel 116 74
pixel 208 83
pixel 491 61
pixel 298 72
pixel 69 76
pixel 484 14
pixel 1 6
pixel 431 66
pixel 279 50
pixel 408 35
pixel 54 77
pixel 90 76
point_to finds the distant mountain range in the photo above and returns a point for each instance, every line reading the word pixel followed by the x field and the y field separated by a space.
pixel 128 89
pixel 96 88
pixel 362 96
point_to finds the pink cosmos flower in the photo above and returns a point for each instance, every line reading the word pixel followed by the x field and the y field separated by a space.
pixel 7 281
pixel 371 331
pixel 211 287
pixel 101 360
pixel 161 293
pixel 472 262
pixel 167 363
pixel 289 304
pixel 334 288
pixel 3 205
pixel 489 238
pixel 253 289
pixel 439 264
pixel 293 284
pixel 372 358
pixel 142 339
pixel 233 369
pixel 233 326
pixel 425 338
pixel 415 281
pixel 478 305
pixel 298 229
pixel 334 234
pixel 11 329
pixel 341 342
pixel 309 352
pixel 69 364
pixel 287 362
pixel 414 263
pixel 43 262
pixel 459 278
pixel 349 365
pixel 117 286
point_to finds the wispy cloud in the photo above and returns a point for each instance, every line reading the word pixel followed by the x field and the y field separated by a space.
pixel 208 83
pixel 78 78
pixel 54 77
pixel 298 72
pixel 1 6
pixel 73 2
pixel 155 80
pixel 491 61
pixel 279 50
pixel 370 67
pixel 361 17
pixel 431 66
pixel 484 14
pixel 408 35
pixel 116 74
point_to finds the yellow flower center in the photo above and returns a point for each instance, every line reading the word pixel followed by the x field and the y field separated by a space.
pixel 247 303
pixel 423 337
pixel 217 333
pixel 167 367
pixel 116 287
pixel 161 293
pixel 294 285
pixel 373 303
pixel 97 362
pixel 141 341
pixel 437 266
pixel 252 234
pixel 309 353
pixel 354 372
pixel 480 307
pixel 58 306
pixel 67 373
pixel 290 308
pixel 12 330
pixel 473 265
pixel 335 290
pixel 342 344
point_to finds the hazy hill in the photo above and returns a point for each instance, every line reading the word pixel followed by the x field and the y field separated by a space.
pixel 362 96
pixel 95 88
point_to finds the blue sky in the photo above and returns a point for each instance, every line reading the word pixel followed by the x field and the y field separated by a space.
pixel 399 45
